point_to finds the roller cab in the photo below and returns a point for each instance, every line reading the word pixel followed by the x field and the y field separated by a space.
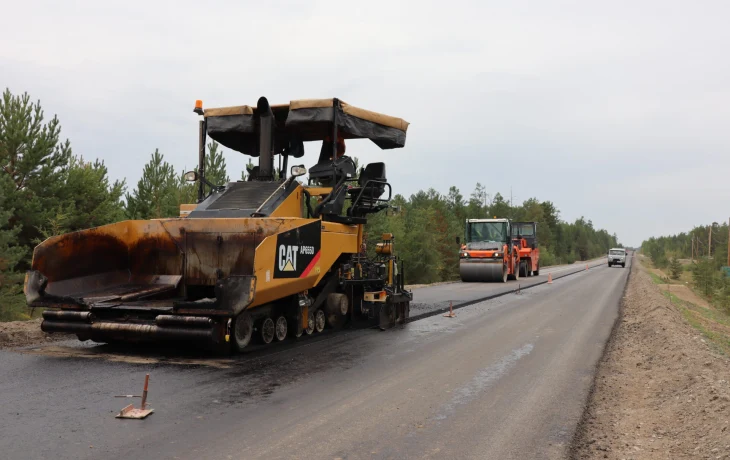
pixel 275 256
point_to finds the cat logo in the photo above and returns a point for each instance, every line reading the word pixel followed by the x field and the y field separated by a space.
pixel 298 251
pixel 288 258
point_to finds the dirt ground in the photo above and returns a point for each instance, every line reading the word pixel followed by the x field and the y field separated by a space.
pixel 21 333
pixel 684 293
pixel 660 392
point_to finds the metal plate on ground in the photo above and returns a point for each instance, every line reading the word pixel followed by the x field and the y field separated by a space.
pixel 131 412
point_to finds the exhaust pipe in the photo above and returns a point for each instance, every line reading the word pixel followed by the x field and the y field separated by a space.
pixel 266 139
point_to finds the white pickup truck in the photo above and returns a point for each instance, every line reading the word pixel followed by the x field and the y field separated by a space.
pixel 617 256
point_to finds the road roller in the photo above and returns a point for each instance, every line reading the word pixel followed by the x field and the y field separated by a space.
pixel 488 252
pixel 277 255
pixel 524 234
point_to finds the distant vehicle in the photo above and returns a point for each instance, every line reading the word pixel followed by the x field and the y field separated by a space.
pixel 617 256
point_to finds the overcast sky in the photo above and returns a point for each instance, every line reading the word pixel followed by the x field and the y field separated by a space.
pixel 617 111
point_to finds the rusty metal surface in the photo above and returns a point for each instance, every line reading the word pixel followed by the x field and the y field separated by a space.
pixel 130 272
pixel 80 316
pixel 110 331
pixel 183 321
pixel 213 255
pixel 131 412
pixel 232 295
pixel 107 260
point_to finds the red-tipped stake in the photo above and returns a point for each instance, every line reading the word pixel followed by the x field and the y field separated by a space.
pixel 450 314
pixel 142 412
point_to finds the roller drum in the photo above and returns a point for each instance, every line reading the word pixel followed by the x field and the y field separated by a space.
pixel 481 271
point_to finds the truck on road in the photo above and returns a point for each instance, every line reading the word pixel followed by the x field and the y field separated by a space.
pixel 617 256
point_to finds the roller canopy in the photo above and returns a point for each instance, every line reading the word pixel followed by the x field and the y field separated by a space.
pixel 302 121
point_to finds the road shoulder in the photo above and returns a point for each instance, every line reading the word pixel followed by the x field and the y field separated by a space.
pixel 22 333
pixel 660 390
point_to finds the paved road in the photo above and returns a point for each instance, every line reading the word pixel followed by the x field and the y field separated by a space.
pixel 427 299
pixel 506 378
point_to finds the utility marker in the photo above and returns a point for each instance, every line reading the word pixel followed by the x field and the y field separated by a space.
pixel 130 411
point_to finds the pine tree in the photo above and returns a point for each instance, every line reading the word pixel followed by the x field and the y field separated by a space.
pixel 499 207
pixel 704 276
pixel 249 167
pixel 36 161
pixel 90 199
pixel 724 297
pixel 11 298
pixel 157 192
pixel 215 173
pixel 675 268
pixel 215 166
pixel 477 206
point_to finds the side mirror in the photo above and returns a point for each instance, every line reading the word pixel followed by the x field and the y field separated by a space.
pixel 458 240
pixel 191 176
pixel 297 171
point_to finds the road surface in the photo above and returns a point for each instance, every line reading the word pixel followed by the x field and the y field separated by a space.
pixel 430 298
pixel 507 378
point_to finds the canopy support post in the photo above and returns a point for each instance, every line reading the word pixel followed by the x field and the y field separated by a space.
pixel 201 159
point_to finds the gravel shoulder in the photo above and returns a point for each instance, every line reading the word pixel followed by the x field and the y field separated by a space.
pixel 22 333
pixel 661 390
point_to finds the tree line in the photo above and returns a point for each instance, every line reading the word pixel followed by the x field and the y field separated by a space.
pixel 47 190
pixel 427 223
pixel 705 247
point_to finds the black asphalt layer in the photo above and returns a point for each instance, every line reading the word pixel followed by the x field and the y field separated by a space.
pixel 428 299
pixel 506 378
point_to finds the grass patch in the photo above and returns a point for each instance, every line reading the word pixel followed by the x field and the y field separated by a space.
pixel 690 311
pixel 720 341
pixel 14 308
pixel 715 315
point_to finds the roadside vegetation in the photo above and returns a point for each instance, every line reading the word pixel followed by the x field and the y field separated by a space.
pixel 695 280
pixel 661 389
pixel 46 189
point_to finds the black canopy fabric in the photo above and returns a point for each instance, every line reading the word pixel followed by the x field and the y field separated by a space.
pixel 303 121
pixel 233 127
